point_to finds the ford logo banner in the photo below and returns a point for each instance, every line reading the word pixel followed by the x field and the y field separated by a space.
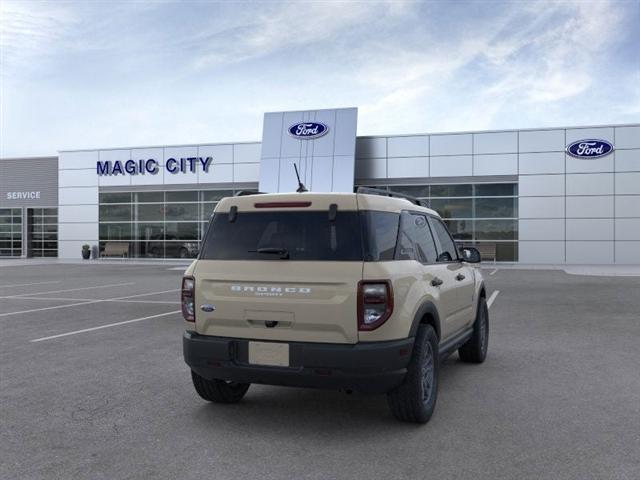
pixel 589 148
pixel 308 130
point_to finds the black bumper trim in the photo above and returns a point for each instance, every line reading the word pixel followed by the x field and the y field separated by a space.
pixel 372 367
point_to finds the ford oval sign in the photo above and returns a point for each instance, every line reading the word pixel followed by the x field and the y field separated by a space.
pixel 308 130
pixel 590 148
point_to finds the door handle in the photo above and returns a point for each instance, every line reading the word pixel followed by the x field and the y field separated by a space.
pixel 460 277
pixel 436 282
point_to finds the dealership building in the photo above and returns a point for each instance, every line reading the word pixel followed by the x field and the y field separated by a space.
pixel 567 195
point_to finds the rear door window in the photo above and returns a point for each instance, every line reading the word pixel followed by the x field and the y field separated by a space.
pixel 415 241
pixel 304 235
pixel 447 251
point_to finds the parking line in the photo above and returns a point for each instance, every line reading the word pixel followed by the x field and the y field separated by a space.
pixel 71 289
pixel 175 302
pixel 493 273
pixel 48 308
pixel 84 330
pixel 146 294
pixel 84 302
pixel 492 298
pixel 28 284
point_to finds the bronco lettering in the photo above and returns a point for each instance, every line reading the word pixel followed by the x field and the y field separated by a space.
pixel 269 289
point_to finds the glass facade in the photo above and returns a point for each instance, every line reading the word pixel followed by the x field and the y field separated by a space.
pixel 476 214
pixel 42 229
pixel 10 232
pixel 157 224
pixel 170 224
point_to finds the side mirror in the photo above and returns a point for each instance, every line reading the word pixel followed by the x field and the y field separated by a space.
pixel 470 255
pixel 444 257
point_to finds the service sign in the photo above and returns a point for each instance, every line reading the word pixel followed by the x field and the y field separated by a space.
pixel 23 195
pixel 589 149
pixel 308 130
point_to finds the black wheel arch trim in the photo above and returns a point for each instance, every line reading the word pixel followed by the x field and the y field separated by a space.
pixel 482 291
pixel 427 308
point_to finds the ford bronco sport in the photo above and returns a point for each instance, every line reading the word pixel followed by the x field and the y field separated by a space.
pixel 352 291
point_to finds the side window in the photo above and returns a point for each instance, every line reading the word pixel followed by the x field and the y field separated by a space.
pixel 415 241
pixel 379 234
pixel 447 249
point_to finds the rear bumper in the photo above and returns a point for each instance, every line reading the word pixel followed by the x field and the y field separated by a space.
pixel 375 367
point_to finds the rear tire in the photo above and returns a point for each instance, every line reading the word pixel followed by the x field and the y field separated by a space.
pixel 415 400
pixel 219 391
pixel 475 349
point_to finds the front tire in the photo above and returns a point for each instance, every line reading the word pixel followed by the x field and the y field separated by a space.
pixel 219 391
pixel 415 400
pixel 475 349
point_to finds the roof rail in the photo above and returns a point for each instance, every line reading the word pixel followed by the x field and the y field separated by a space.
pixel 244 193
pixel 389 193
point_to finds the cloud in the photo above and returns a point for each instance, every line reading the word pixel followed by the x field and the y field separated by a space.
pixel 79 74
pixel 30 30
pixel 300 28
pixel 559 62
pixel 543 54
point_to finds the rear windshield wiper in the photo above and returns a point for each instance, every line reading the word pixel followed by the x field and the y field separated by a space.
pixel 283 252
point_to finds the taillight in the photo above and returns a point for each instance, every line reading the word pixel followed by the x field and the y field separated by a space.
pixel 187 300
pixel 375 303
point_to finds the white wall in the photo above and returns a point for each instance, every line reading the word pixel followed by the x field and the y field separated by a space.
pixel 325 163
pixel 601 197
pixel 78 202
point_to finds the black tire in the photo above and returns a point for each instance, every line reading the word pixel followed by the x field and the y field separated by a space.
pixel 475 349
pixel 219 391
pixel 415 400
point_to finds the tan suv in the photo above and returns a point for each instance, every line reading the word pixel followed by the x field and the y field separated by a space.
pixel 352 291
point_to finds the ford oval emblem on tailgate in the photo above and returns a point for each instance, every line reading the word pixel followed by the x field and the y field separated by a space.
pixel 207 308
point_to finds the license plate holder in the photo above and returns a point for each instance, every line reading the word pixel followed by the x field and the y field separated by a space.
pixel 273 354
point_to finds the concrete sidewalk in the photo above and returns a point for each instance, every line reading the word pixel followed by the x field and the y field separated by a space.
pixel 589 270
pixel 19 262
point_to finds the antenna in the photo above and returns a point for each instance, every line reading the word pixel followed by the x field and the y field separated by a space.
pixel 301 187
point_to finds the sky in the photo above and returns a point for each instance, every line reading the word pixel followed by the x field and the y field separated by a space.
pixel 97 74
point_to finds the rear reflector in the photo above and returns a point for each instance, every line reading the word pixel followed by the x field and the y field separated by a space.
pixel 281 204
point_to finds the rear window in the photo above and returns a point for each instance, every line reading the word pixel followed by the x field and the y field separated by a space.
pixel 304 236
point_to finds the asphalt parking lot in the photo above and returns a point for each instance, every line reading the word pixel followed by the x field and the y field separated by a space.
pixel 558 397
